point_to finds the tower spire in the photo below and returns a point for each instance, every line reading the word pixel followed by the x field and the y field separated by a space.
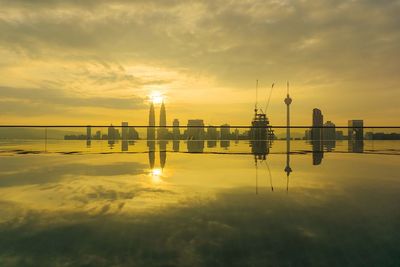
pixel 288 88
pixel 255 106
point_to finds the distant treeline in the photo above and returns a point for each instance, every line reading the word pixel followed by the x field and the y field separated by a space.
pixel 382 136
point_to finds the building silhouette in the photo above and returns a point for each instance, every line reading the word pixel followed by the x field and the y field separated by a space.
pixel 356 136
pixel 124 130
pixel 111 136
pixel 356 130
pixel 212 133
pixel 88 136
pixel 329 135
pixel 225 132
pixel 236 134
pixel 317 136
pixel 176 132
pixel 88 133
pixel 151 130
pixel 329 131
pixel 195 130
pixel 124 136
pixel 162 133
pixel 98 135
pixel 317 123
pixel 259 127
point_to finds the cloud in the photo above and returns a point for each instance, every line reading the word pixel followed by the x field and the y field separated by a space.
pixel 334 47
pixel 38 100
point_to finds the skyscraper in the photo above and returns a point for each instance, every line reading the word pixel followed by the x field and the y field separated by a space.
pixel 176 131
pixel 318 120
pixel 162 130
pixel 111 133
pixel 111 136
pixel 151 131
pixel 225 132
pixel 316 136
pixel 124 130
pixel 195 130
pixel 329 132
pixel 212 133
pixel 356 136
pixel 356 130
pixel 88 133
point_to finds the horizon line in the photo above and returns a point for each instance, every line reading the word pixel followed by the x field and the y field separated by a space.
pixel 187 126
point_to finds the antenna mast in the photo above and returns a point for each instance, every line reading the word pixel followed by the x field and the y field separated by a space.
pixel 288 88
pixel 255 106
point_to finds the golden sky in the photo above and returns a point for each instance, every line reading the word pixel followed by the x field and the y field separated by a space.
pixel 96 62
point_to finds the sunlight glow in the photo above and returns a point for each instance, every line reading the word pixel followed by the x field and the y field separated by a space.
pixel 156 172
pixel 156 176
pixel 156 97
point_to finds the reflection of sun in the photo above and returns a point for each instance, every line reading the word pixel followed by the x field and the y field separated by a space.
pixel 156 97
pixel 156 175
pixel 156 172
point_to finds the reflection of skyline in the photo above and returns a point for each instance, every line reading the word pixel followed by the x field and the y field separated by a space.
pixel 195 146
pixel 355 146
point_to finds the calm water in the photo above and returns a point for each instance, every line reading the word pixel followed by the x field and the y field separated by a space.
pixel 64 203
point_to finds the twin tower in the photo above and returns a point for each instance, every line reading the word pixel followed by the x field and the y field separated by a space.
pixel 162 131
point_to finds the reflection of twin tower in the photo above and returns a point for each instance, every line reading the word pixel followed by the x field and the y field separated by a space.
pixel 162 131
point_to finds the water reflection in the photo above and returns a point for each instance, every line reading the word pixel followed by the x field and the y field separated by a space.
pixel 163 152
pixel 355 146
pixel 152 153
pixel 225 144
pixel 195 146
pixel 124 145
pixel 175 145
pixel 204 213
pixel 317 151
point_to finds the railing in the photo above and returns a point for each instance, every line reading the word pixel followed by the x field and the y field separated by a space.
pixel 204 139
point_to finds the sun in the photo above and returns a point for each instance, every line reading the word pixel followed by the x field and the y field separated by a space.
pixel 156 97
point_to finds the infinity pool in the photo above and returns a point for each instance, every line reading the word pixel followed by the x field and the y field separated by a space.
pixel 73 204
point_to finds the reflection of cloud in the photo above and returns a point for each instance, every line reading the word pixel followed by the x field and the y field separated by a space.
pixel 55 173
pixel 235 229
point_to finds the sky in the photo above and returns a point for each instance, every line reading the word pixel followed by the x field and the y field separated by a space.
pixel 98 62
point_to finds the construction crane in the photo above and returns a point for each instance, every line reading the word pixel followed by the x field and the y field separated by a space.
pixel 269 98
